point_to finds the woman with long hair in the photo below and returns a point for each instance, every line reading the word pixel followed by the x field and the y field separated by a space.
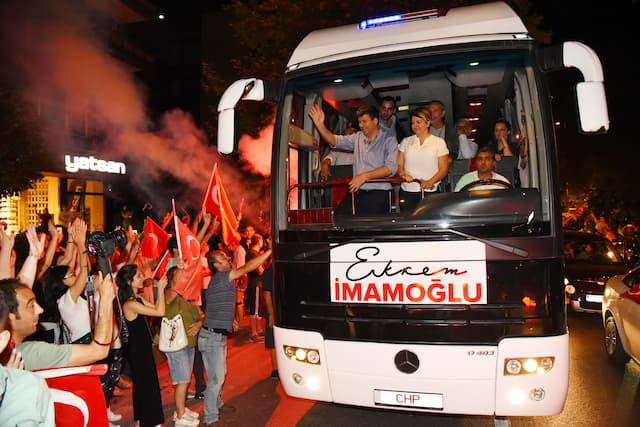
pixel 147 402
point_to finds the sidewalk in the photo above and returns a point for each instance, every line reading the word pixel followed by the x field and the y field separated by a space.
pixel 259 400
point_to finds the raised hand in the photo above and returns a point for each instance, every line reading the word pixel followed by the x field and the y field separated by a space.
pixel 36 244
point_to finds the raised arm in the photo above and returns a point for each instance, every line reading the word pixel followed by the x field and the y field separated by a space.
pixel 98 349
pixel 69 250
pixel 251 265
pixel 317 117
pixel 29 269
pixel 78 231
pixel 51 249
pixel 133 308
pixel 206 220
pixel 211 230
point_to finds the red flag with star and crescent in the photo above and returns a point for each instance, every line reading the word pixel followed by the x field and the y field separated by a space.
pixel 154 239
pixel 190 282
pixel 217 203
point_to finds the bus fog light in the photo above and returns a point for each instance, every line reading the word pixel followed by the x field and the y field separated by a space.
pixel 537 394
pixel 297 378
pixel 517 396
pixel 312 383
pixel 513 366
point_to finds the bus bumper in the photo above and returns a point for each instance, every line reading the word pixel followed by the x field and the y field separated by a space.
pixel 455 379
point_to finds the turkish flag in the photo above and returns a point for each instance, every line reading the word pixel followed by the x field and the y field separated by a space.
pixel 217 203
pixel 154 239
pixel 162 266
pixel 189 284
pixel 77 395
pixel 188 244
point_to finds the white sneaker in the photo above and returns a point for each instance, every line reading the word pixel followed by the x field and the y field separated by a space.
pixel 185 420
pixel 113 417
pixel 191 414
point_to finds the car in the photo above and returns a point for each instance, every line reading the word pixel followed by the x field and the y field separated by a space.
pixel 621 317
pixel 590 259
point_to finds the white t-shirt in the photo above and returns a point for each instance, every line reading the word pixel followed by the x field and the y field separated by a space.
pixel 74 315
pixel 421 160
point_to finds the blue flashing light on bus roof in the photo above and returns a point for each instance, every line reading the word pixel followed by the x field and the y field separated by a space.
pixel 391 19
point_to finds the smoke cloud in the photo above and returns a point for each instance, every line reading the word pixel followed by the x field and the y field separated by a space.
pixel 62 67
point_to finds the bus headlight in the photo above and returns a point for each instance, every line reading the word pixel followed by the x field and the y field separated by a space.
pixel 302 354
pixel 528 365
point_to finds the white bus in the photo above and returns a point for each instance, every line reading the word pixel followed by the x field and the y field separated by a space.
pixel 456 306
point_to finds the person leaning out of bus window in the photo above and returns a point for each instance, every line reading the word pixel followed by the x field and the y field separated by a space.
pixel 423 160
pixel 485 164
pixel 375 155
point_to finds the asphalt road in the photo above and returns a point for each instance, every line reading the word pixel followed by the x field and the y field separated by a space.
pixel 600 393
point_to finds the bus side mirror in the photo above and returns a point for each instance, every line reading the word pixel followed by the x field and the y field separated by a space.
pixel 240 90
pixel 592 101
pixel 592 107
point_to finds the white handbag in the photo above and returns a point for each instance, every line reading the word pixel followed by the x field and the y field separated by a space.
pixel 173 336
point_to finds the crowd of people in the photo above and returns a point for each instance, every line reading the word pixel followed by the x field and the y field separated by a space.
pixel 623 234
pixel 62 305
pixel 380 150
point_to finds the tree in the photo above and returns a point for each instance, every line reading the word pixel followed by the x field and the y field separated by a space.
pixel 21 146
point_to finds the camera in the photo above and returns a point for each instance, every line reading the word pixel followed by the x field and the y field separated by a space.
pixel 102 245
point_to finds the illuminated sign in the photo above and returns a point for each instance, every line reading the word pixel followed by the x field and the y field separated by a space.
pixel 76 163
pixel 409 273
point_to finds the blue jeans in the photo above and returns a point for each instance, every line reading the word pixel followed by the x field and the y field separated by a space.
pixel 213 347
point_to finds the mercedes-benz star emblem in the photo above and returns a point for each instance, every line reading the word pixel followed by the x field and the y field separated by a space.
pixel 407 361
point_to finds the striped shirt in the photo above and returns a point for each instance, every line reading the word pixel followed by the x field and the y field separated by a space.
pixel 221 300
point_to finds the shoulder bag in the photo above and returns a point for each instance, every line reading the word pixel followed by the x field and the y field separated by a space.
pixel 173 336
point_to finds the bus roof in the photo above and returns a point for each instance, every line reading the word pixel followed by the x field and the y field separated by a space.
pixel 490 21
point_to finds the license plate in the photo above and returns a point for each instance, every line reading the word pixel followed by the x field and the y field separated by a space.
pixel 594 298
pixel 409 399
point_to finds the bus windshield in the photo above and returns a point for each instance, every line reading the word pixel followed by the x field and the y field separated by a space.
pixel 481 86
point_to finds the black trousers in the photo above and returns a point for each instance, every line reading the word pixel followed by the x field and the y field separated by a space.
pixel 366 202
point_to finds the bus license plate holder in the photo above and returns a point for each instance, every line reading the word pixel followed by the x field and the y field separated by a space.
pixel 409 399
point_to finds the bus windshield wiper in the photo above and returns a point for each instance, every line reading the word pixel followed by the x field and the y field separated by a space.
pixel 503 247
pixel 305 254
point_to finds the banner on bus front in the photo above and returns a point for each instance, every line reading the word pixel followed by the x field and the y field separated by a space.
pixel 409 273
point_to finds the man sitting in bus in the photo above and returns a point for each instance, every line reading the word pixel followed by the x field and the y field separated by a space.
pixel 484 175
pixel 375 155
